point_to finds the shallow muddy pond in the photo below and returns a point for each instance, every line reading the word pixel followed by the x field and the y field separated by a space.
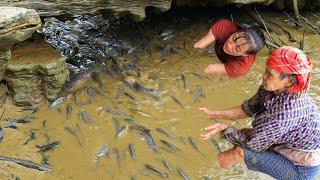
pixel 182 87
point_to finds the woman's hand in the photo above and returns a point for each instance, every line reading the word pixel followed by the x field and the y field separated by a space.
pixel 210 114
pixel 212 130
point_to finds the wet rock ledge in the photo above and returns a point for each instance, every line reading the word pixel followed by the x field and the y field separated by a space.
pixel 16 25
pixel 134 8
pixel 35 73
pixel 32 71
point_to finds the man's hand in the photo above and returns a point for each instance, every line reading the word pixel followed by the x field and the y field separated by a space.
pixel 205 40
pixel 213 130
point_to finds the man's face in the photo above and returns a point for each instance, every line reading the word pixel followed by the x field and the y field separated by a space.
pixel 273 82
pixel 237 45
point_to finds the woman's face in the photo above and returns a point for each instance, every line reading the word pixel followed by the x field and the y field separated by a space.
pixel 273 82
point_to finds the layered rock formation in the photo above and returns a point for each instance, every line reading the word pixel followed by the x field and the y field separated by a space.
pixel 35 73
pixel 31 71
pixel 135 8
pixel 16 25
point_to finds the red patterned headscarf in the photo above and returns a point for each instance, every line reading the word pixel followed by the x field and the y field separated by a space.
pixel 292 60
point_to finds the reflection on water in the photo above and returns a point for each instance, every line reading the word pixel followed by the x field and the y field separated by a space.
pixel 99 148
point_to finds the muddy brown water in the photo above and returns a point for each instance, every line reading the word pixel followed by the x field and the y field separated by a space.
pixel 71 161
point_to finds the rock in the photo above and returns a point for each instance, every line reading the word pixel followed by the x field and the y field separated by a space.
pixel 135 8
pixel 35 73
pixel 282 4
pixel 85 40
pixel 16 25
pixel 220 3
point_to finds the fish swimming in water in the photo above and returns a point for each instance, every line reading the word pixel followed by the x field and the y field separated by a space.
pixel 155 171
pixel 194 144
pixel 185 84
pixel 183 174
pixel 177 101
pixel 27 164
pixel 146 136
pixel 103 152
pixel 170 145
pixel 57 102
pixel 77 81
pixel 132 151
pixel 48 147
pixel 1 134
pixel 85 116
pixel 68 111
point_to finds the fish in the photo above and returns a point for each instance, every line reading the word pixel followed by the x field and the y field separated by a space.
pixel 23 120
pixel 27 164
pixel 177 101
pixel 96 77
pixel 91 92
pixel 131 97
pixel 155 171
pixel 85 116
pixel 72 132
pixel 194 144
pixel 170 145
pixel 103 152
pixel 169 37
pixel 11 126
pixel 185 84
pixel 116 124
pixel 145 114
pixel 32 136
pixel 149 140
pixel 113 112
pixel 165 132
pixel 141 89
pixel 121 131
pixel 68 111
pixel 76 82
pixel 166 164
pixel 216 145
pixel 146 136
pixel 57 102
pixel 48 147
pixel 130 120
pixel 171 151
pixel 183 174
pixel 45 159
pixel 197 75
pixel 166 32
pixel 116 153
pixel 1 134
pixel 132 151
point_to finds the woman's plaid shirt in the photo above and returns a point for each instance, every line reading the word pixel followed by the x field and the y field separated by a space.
pixel 287 119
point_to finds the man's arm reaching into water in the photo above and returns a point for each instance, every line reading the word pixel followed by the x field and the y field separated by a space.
pixel 205 40
pixel 211 69
pixel 216 69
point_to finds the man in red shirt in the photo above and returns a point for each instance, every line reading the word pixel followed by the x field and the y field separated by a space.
pixel 235 46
